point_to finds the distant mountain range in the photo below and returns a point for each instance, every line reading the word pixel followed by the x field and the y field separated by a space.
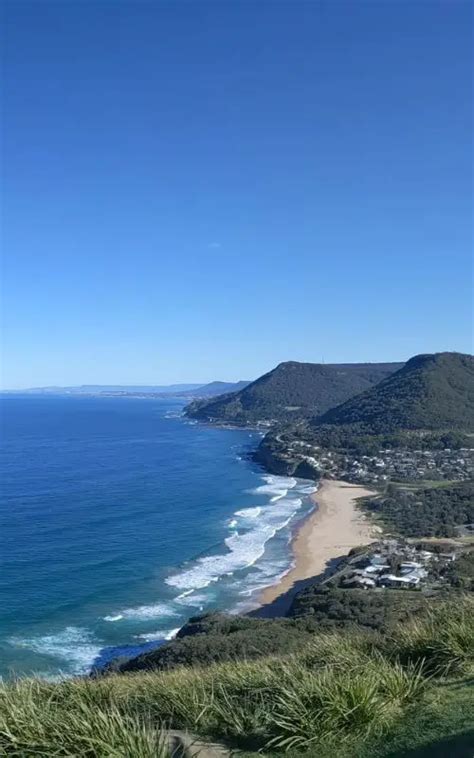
pixel 214 389
pixel 292 391
pixel 177 390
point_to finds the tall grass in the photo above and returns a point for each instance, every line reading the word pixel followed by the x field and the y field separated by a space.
pixel 341 690
pixel 443 638
pixel 34 722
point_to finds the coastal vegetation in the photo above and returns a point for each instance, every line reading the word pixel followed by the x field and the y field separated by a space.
pixel 345 694
pixel 333 607
pixel 217 637
pixel 426 511
pixel 291 391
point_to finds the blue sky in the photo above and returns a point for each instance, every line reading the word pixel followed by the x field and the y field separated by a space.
pixel 200 190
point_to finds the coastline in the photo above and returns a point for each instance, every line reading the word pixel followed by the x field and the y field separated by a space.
pixel 327 534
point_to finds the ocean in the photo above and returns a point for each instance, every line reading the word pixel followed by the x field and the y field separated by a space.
pixel 119 520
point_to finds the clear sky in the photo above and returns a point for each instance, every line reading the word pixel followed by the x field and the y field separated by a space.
pixel 199 190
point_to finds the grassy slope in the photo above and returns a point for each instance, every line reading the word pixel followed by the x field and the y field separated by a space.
pixel 443 727
pixel 344 695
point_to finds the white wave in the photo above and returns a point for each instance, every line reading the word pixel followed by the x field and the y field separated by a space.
pixel 144 612
pixel 192 598
pixel 307 489
pixel 162 634
pixel 244 548
pixel 249 512
pixel 275 486
pixel 264 575
pixel 184 594
pixel 232 523
pixel 73 645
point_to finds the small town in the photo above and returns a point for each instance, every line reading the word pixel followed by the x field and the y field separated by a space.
pixel 388 464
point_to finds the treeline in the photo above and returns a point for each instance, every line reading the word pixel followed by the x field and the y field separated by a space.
pixel 362 441
pixel 428 512
pixel 218 638
pixel 332 607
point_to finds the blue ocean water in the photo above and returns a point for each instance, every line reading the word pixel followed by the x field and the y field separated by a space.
pixel 119 520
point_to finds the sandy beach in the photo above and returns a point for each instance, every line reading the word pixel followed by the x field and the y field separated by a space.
pixel 328 533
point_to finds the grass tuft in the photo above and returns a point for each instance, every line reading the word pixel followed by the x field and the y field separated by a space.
pixel 442 639
pixel 34 722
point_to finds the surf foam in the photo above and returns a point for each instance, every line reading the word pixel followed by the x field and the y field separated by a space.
pixel 163 634
pixel 77 647
pixel 257 525
pixel 143 612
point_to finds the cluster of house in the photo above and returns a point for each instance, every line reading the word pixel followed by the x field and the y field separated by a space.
pixel 412 465
pixel 393 565
pixel 398 464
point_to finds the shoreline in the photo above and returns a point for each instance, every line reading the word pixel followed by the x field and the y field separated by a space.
pixel 324 536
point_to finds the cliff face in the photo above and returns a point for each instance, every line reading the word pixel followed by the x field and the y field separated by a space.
pixel 277 457
pixel 274 461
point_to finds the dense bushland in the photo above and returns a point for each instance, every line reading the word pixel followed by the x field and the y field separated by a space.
pixel 426 511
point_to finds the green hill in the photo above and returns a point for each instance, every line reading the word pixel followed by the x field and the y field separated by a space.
pixel 430 392
pixel 292 391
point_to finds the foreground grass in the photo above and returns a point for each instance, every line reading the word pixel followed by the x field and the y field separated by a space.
pixel 343 694
pixel 44 721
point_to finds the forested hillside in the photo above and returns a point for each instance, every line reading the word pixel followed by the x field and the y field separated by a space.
pixel 292 391
pixel 429 392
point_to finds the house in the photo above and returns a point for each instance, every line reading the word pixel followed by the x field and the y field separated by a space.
pixel 407 581
pixel 376 569
pixel 408 566
pixel 450 557
pixel 425 555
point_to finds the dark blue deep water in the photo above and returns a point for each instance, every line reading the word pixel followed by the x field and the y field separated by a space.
pixel 119 519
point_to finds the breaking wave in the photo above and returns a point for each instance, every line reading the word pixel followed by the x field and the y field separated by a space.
pixel 76 647
pixel 163 634
pixel 255 526
pixel 155 610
